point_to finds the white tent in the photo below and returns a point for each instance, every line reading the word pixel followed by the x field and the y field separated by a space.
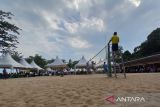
pixel 58 63
pixel 24 62
pixel 82 63
pixel 6 61
pixel 34 65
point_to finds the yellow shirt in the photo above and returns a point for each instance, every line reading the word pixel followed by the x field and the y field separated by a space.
pixel 115 39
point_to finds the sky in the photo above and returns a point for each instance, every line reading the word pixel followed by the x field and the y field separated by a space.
pixel 76 28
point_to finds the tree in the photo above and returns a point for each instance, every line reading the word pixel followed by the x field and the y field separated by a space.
pixel 70 64
pixel 16 56
pixel 8 32
pixel 63 60
pixel 38 60
pixel 149 46
pixel 153 42
pixel 29 59
pixel 74 63
pixel 119 53
pixel 50 61
pixel 127 55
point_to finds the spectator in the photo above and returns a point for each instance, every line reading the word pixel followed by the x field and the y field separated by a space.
pixel 105 67
pixel 4 73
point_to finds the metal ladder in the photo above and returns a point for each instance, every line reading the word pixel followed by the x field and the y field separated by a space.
pixel 118 67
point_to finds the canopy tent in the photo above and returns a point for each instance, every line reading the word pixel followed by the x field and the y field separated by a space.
pixel 25 63
pixel 82 63
pixel 6 61
pixel 35 66
pixel 58 63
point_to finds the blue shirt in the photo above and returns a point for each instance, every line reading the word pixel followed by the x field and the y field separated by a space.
pixel 105 66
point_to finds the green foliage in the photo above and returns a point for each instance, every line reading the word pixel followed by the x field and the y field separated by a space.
pixel 70 64
pixel 50 61
pixel 63 60
pixel 150 46
pixel 118 54
pixel 38 60
pixel 30 59
pixel 127 55
pixel 74 63
pixel 8 32
pixel 16 56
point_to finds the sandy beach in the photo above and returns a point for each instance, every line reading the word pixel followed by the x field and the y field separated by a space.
pixel 80 91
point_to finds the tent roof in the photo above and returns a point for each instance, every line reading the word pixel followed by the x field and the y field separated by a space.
pixel 34 65
pixel 82 62
pixel 7 61
pixel 57 63
pixel 25 63
pixel 142 61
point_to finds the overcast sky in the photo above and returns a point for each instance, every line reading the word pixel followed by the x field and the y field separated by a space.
pixel 72 28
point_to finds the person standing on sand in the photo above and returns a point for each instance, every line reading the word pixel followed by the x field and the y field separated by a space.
pixel 88 67
pixel 105 67
pixel 4 73
pixel 61 72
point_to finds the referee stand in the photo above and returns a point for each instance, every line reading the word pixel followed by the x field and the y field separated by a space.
pixel 115 58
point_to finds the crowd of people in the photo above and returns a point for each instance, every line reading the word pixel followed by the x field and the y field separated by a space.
pixel 33 73
pixel 143 69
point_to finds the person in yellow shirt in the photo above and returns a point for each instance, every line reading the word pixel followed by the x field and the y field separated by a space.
pixel 115 41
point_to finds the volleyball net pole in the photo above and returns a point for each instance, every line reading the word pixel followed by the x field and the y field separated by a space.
pixel 109 61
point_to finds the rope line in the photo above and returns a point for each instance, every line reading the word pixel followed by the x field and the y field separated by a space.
pixel 97 53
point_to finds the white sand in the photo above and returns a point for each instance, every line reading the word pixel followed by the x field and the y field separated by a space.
pixel 79 91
